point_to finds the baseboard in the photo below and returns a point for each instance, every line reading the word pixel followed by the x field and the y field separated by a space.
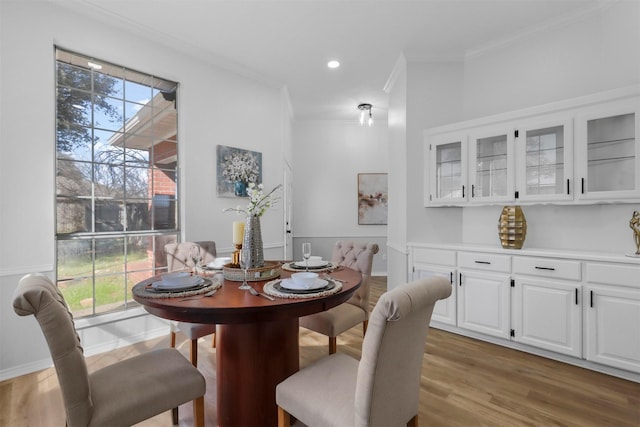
pixel 39 365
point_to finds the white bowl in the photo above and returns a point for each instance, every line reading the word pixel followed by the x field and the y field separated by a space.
pixel 219 262
pixel 305 279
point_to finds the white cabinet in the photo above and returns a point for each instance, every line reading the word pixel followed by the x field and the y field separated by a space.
pixel 447 159
pixel 580 151
pixel 484 293
pixel 547 311
pixel 581 308
pixel 613 315
pixel 608 151
pixel 430 262
pixel 544 160
pixel 491 165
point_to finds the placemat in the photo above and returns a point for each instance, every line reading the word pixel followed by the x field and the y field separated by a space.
pixel 269 289
pixel 144 289
pixel 330 267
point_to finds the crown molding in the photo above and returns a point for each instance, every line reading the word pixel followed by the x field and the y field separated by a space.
pixel 94 11
pixel 531 31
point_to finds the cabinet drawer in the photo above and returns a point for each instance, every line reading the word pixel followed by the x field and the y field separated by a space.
pixel 434 256
pixel 547 267
pixel 614 274
pixel 482 261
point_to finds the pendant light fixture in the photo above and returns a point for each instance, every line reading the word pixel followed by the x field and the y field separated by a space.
pixel 366 119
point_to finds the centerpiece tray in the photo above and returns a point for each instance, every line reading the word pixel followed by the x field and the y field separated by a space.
pixel 270 270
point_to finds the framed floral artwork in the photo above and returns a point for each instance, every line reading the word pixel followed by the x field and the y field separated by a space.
pixel 372 198
pixel 235 169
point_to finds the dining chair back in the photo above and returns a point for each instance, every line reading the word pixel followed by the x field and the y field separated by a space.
pixel 179 254
pixel 179 257
pixel 123 393
pixel 383 388
pixel 333 322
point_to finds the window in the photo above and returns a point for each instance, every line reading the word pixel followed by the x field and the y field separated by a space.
pixel 116 180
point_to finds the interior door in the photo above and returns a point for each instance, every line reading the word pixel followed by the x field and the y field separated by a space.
pixel 287 198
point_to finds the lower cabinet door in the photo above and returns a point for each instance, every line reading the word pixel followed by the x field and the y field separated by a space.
pixel 548 314
pixel 445 310
pixel 613 326
pixel 484 302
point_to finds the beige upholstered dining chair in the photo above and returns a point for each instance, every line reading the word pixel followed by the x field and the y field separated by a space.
pixel 120 394
pixel 179 257
pixel 337 320
pixel 383 388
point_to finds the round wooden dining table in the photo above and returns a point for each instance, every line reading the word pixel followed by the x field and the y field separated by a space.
pixel 256 341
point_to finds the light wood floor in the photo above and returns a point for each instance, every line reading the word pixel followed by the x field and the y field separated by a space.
pixel 465 382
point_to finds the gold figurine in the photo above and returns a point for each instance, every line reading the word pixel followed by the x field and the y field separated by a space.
pixel 634 223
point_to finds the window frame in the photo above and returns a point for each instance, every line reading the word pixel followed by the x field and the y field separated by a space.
pixel 144 234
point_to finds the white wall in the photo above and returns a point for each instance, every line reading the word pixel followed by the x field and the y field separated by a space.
pixel 397 152
pixel 327 157
pixel 594 54
pixel 213 108
pixel 589 54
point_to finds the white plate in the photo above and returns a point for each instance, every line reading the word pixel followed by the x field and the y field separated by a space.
pixel 312 263
pixel 183 283
pixel 290 284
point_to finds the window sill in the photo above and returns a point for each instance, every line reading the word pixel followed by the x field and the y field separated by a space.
pixel 102 319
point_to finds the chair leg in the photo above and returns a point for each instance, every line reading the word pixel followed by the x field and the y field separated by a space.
pixel 198 412
pixel 333 345
pixel 364 327
pixel 413 422
pixel 193 352
pixel 174 416
pixel 173 339
pixel 213 341
pixel 284 419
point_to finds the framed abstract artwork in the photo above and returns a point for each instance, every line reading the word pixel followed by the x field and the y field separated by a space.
pixel 235 169
pixel 372 198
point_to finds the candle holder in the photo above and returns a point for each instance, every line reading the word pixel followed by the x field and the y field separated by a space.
pixel 236 255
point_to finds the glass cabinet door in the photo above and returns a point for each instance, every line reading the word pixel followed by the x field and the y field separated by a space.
pixel 447 169
pixel 609 154
pixel 544 161
pixel 491 173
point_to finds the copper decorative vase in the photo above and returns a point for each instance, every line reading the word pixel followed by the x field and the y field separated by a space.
pixel 512 227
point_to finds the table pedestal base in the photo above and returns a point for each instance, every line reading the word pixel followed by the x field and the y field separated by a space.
pixel 252 359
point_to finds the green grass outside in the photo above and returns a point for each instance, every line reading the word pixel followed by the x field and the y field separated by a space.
pixel 109 286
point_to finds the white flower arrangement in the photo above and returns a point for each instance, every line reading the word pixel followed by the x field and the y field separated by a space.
pixel 258 201
pixel 240 166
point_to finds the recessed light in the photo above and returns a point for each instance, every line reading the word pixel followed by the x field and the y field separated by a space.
pixel 333 64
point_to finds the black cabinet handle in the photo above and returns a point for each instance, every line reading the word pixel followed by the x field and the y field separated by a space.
pixel 568 187
pixel 473 190
pixel 482 262
pixel 463 191
pixel 460 280
pixel 576 296
pixel 545 268
pixel 591 298
pixel 451 277
pixel 582 185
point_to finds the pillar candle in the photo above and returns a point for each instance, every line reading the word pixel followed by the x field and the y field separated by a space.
pixel 238 232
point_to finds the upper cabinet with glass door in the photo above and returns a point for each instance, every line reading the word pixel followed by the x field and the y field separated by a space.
pixel 608 152
pixel 447 175
pixel 580 151
pixel 491 165
pixel 544 161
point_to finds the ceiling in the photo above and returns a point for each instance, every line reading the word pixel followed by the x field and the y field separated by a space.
pixel 290 42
